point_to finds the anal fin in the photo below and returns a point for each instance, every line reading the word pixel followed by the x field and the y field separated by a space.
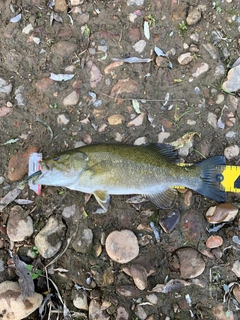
pixel 103 199
pixel 164 199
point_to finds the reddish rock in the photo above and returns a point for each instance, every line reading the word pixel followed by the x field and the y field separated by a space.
pixel 134 34
pixel 190 225
pixel 44 84
pixel 18 164
pixel 60 5
pixel 214 242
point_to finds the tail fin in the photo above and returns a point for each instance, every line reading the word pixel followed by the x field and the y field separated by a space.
pixel 211 177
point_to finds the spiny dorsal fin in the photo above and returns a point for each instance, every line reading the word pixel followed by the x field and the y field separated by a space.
pixel 164 150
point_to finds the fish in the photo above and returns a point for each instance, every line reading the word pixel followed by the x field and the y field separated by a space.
pixel 150 170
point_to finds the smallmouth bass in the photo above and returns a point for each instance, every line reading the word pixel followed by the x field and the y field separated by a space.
pixel 113 169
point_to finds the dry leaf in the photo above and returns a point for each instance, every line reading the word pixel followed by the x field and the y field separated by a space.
pixel 185 139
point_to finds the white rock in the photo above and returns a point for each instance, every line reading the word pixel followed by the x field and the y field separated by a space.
pixel 232 84
pixel 76 2
pixel 132 17
pixel 122 314
pixel 80 300
pixel 27 29
pixel 12 304
pixel 140 141
pixel 139 46
pixel 49 239
pixel 185 58
pixel 152 298
pixel 62 119
pixel 212 120
pixel 231 152
pixel 70 211
pixel 71 99
pixel 83 240
pixel 200 69
pixel 5 88
pixel 162 136
pixel 220 98
pixel 19 226
pixel 135 2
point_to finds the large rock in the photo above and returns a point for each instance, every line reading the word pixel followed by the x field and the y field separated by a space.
pixel 232 84
pixel 13 306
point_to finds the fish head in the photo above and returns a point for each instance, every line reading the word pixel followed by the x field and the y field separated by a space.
pixel 62 169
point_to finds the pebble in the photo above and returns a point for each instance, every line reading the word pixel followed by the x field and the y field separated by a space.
pixel 115 119
pixel 71 99
pixel 5 88
pixel 63 119
pixel 138 121
pixel 236 292
pixel 83 240
pixel 19 224
pixel 21 96
pixel 212 120
pixel 49 239
pixel 135 2
pixel 191 122
pixel 231 152
pixel 211 50
pixel 122 246
pixel 220 98
pixel 124 86
pixel 223 212
pixel 194 16
pixel 60 5
pixel 64 48
pixel 80 300
pixel 162 62
pixel 134 34
pixel 152 298
pixel 168 221
pixel 139 275
pixel 140 312
pixel 236 268
pixel 112 66
pixel 190 225
pixel 194 37
pixel 221 312
pixel 140 141
pixel 122 314
pixel 140 46
pixel 12 303
pixel 162 136
pixel 185 58
pixel 191 262
pixel 214 241
pixel 219 71
pixel 18 164
pixel 5 111
pixel 27 29
pixel 232 83
pixel 44 84
pixel 95 311
pixel 193 48
pixel 82 19
pixel 199 69
pixel 95 74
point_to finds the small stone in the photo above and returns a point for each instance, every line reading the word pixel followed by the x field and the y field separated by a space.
pixel 64 48
pixel 134 34
pixel 223 212
pixel 122 314
pixel 5 88
pixel 71 99
pixel 214 241
pixel 135 2
pixel 21 96
pixel 83 240
pixel 138 121
pixel 232 83
pixel 140 312
pixel 139 46
pixel 194 16
pixel 95 311
pixel 63 119
pixel 19 224
pixel 187 198
pixel 115 119
pixel 162 136
pixel 76 2
pixel 236 268
pixel 82 19
pixel 185 58
pixel 95 74
pixel 168 221
pixel 219 71
pixel 12 303
pixel 162 62
pixel 18 164
pixel 194 37
pixel 152 298
pixel 112 66
pixel 140 141
pixel 220 98
pixel 139 275
pixel 124 86
pixel 220 312
pixel 49 239
pixel 236 292
pixel 87 138
pixel 44 84
pixel 193 48
pixel 27 29
pixel 5 111
pixel 199 69
pixel 212 120
pixel 191 122
pixel 80 300
pixel 231 152
pixel 122 246
pixel 60 5
pixel 211 50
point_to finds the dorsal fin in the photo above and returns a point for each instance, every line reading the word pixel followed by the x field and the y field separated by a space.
pixel 164 150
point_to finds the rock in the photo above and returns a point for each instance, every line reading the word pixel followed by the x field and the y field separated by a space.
pixel 135 2
pixel 64 48
pixel 27 29
pixel 87 138
pixel 95 74
pixel 82 18
pixel 60 5
pixel 140 141
pixel 162 62
pixel 194 16
pixel 19 224
pixel 122 314
pixel 71 99
pixel 63 119
pixel 152 298
pixel 236 268
pixel 140 46
pixel 21 96
pixel 134 34
pixel 220 98
pixel 76 2
pixel 18 164
pixel 190 225
pixel 231 152
pixel 140 312
pixel 236 292
pixel 124 86
pixel 138 121
pixel 112 66
pixel 168 221
pixel 128 291
pixel 214 241
pixel 95 311
pixel 44 84
pixel 187 198
pixel 212 120
pixel 232 83
pixel 162 136
pixel 194 37
pixel 220 312
pixel 139 275
pixel 223 212
pixel 49 239
pixel 115 119
pixel 83 240
pixel 122 246
pixel 5 88
pixel 5 111
pixel 12 303
pixel 185 58
pixel 211 50
pixel 80 300
pixel 191 262
pixel 219 71
pixel 199 69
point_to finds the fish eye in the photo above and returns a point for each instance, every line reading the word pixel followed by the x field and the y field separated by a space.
pixel 56 158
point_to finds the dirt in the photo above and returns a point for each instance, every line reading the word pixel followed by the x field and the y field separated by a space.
pixel 24 63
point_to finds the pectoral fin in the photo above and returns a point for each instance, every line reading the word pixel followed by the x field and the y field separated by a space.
pixel 103 199
pixel 165 199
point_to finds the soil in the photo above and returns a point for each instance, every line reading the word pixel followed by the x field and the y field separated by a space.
pixel 24 63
